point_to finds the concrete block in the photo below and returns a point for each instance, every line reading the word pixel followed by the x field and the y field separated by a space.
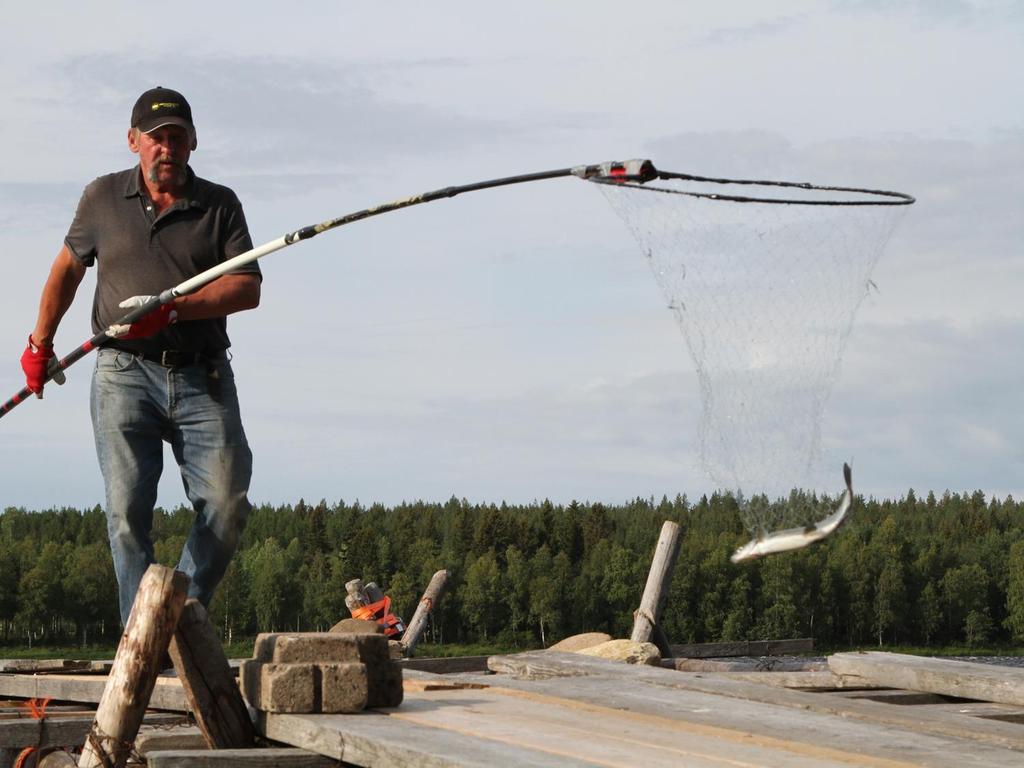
pixel 344 687
pixel 385 685
pixel 280 687
pixel 320 647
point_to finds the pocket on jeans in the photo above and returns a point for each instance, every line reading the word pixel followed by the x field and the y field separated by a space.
pixel 115 361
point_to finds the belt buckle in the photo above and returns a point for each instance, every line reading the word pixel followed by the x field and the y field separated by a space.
pixel 170 358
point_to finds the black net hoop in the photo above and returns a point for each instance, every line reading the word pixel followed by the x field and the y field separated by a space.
pixel 764 279
pixel 812 194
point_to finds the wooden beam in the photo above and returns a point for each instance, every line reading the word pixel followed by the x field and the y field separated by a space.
pixel 658 580
pixel 744 664
pixel 743 648
pixel 154 615
pixel 966 680
pixel 432 595
pixel 53 665
pixel 153 739
pixel 372 739
pixel 274 757
pixel 809 680
pixel 58 732
pixel 209 682
pixel 87 689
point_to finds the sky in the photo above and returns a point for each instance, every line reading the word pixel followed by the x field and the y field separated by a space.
pixel 512 344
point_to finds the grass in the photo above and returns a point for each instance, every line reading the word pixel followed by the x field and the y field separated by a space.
pixel 242 649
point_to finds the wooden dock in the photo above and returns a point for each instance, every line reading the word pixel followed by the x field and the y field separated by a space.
pixel 561 709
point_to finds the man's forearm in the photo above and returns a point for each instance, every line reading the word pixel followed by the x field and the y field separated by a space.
pixel 65 276
pixel 224 296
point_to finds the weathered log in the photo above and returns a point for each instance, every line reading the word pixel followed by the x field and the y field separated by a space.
pixel 658 580
pixel 209 682
pixel 431 596
pixel 151 624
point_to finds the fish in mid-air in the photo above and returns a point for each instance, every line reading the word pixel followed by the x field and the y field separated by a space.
pixel 795 538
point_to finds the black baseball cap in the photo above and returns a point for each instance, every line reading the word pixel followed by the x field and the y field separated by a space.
pixel 161 106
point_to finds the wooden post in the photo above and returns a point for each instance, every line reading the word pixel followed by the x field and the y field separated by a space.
pixel 419 619
pixel 208 681
pixel 151 624
pixel 658 580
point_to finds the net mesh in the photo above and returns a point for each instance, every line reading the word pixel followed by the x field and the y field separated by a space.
pixel 765 294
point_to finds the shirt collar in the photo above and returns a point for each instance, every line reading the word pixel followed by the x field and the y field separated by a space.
pixel 191 198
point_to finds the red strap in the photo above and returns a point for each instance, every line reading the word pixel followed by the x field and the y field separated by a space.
pixel 37 710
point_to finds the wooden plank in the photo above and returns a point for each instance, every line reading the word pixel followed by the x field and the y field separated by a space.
pixel 745 664
pixel 69 710
pixel 167 694
pixel 743 648
pixel 557 727
pixel 678 728
pixel 377 740
pixel 52 665
pixel 544 670
pixel 966 680
pixel 446 665
pixel 208 681
pixel 812 680
pixel 152 739
pixel 877 730
pixel 57 732
pixel 273 757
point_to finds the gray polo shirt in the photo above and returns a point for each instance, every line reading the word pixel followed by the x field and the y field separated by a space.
pixel 138 253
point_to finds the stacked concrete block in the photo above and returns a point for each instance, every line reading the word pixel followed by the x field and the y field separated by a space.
pixel 328 672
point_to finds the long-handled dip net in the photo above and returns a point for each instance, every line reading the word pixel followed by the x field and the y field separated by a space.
pixel 764 279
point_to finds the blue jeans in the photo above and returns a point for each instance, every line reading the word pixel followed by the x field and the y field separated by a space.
pixel 137 405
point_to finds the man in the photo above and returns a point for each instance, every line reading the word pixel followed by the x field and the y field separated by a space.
pixel 165 377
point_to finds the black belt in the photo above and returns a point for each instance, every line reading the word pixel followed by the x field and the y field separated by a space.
pixel 175 358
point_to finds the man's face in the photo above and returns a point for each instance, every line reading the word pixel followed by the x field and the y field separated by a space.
pixel 163 154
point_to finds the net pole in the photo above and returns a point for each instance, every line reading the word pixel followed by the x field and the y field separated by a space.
pixel 193 284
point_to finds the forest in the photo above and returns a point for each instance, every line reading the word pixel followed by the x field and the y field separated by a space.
pixel 915 571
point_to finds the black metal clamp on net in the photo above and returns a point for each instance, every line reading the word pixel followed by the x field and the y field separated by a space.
pixel 627 173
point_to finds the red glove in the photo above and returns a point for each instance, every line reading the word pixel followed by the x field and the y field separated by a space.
pixel 34 361
pixel 145 326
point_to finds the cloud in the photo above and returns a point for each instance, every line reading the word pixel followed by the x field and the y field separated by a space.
pixel 932 10
pixel 933 407
pixel 250 107
pixel 29 205
pixel 767 28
